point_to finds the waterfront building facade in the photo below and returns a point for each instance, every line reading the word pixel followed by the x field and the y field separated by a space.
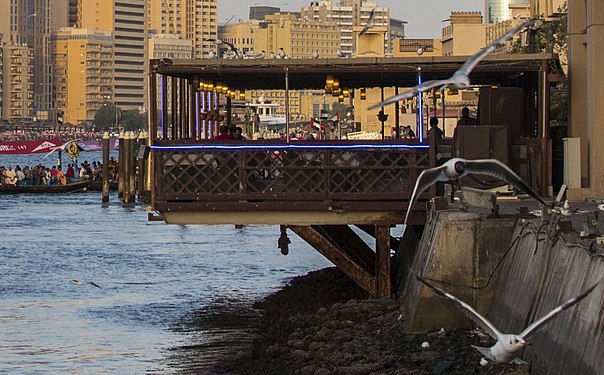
pixel 128 22
pixel 27 23
pixel 83 72
pixel 347 15
pixel 500 10
pixel 196 20
pixel 240 34
pixel 17 81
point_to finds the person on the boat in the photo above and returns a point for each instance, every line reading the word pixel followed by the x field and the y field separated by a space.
pixel 10 177
pixel 28 176
pixel 70 173
pixel 20 176
pixel 53 175
pixel 62 180
pixel 84 173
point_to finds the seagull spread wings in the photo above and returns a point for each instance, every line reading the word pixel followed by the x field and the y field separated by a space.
pixel 369 22
pixel 220 41
pixel 460 79
pixel 457 167
pixel 507 344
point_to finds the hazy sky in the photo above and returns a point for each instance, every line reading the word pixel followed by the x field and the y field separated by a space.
pixel 424 17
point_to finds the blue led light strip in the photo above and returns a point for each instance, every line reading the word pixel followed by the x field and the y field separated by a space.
pixel 287 146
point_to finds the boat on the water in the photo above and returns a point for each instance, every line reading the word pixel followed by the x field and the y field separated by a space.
pixel 71 187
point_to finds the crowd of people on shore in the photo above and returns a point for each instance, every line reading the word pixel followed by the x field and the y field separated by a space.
pixel 40 175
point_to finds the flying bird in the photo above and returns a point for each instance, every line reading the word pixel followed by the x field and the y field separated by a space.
pixel 341 53
pixel 507 345
pixel 230 45
pixel 369 23
pixel 461 78
pixel 456 168
pixel 80 283
pixel 424 48
pixel 62 147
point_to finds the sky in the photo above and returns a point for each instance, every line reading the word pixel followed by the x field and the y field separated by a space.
pixel 424 17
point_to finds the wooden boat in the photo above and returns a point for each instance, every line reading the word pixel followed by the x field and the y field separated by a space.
pixel 46 189
pixel 98 186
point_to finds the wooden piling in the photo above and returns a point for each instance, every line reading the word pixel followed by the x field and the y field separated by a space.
pixel 105 191
pixel 142 173
pixel 131 170
pixel 120 165
pixel 126 169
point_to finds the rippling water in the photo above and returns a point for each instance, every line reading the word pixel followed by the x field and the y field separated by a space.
pixel 171 297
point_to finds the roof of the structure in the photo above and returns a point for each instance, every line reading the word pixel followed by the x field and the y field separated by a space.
pixel 351 72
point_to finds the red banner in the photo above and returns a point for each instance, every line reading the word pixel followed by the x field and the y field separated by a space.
pixel 29 147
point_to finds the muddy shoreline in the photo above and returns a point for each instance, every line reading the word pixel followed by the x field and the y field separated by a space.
pixel 322 323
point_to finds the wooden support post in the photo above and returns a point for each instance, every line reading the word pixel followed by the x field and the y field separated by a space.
pixel 142 173
pixel 382 265
pixel 105 191
pixel 126 169
pixel 120 165
pixel 131 171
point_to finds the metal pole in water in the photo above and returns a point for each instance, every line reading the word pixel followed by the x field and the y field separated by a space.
pixel 131 170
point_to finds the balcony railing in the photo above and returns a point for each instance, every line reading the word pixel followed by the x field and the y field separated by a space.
pixel 247 176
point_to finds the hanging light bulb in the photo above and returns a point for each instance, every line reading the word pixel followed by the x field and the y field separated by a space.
pixel 363 94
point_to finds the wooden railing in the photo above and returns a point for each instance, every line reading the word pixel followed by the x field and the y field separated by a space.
pixel 364 175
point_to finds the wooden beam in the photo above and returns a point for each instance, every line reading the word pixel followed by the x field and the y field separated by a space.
pixel 382 270
pixel 338 257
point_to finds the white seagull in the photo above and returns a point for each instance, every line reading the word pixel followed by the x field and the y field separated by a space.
pixel 369 23
pixel 231 46
pixel 341 53
pixel 80 283
pixel 315 55
pixel 504 350
pixel 60 148
pixel 281 54
pixel 456 168
pixel 461 78
pixel 424 48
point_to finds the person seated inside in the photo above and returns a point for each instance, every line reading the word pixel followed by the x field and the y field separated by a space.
pixel 408 132
pixel 223 133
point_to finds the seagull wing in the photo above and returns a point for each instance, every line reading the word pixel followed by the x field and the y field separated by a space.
pixel 550 315
pixel 425 179
pixel 428 85
pixel 94 284
pixel 369 22
pixel 231 47
pixel 467 67
pixel 495 168
pixel 480 320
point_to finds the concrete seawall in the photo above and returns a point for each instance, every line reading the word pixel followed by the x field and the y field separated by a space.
pixel 514 270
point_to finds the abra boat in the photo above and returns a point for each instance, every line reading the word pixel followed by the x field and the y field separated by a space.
pixel 46 189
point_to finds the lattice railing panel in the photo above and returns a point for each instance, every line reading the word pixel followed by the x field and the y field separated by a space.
pixel 287 174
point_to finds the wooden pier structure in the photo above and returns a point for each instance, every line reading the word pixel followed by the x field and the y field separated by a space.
pixel 320 189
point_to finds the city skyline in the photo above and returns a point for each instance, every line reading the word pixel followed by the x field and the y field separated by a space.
pixel 424 19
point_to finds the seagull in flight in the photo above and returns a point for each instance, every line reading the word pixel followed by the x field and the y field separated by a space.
pixel 80 283
pixel 424 48
pixel 461 78
pixel 61 148
pixel 456 168
pixel 369 23
pixel 230 45
pixel 504 350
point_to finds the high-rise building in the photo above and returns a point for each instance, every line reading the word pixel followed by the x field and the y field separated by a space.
pixel 347 14
pixel 83 72
pixel 196 20
pixel 128 23
pixel 259 12
pixel 500 10
pixel 17 81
